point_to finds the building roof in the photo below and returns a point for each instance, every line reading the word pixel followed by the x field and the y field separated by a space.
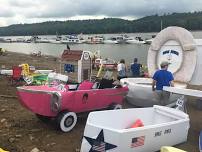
pixel 71 55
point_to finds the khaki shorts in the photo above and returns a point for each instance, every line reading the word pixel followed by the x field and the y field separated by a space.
pixel 163 97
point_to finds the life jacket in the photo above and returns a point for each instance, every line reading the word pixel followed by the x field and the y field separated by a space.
pixel 137 123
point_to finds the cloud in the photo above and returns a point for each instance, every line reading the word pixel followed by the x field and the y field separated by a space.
pixel 23 3
pixel 5 11
pixel 120 8
pixel 42 10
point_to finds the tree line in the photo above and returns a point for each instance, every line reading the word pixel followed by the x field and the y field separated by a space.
pixel 190 21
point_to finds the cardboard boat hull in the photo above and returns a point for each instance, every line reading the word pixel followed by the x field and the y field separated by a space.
pixel 162 126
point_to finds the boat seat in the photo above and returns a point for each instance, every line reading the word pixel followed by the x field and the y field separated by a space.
pixel 86 85
pixel 105 83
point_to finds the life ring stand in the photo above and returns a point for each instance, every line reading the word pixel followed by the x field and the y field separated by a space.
pixel 187 43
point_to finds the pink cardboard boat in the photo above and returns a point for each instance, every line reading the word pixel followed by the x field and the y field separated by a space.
pixel 64 101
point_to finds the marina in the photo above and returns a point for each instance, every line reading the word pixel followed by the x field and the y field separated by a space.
pixel 106 50
pixel 76 39
pixel 125 51
pixel 50 59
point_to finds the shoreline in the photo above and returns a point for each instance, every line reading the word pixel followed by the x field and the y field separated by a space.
pixel 15 58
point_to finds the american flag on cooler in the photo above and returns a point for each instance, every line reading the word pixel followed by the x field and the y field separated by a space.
pixel 100 147
pixel 137 141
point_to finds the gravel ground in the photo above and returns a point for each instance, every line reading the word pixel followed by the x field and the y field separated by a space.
pixel 21 131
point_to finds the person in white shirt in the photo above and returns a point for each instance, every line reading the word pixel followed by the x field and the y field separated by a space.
pixel 121 70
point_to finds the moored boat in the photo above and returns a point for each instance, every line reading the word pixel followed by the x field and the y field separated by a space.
pixel 149 41
pixel 119 39
pixel 71 39
pixel 95 40
pixel 111 40
pixel 135 40
pixel 55 41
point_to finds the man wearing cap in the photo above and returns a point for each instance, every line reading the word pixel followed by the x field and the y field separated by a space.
pixel 162 78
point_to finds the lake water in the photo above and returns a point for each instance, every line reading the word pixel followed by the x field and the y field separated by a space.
pixel 114 51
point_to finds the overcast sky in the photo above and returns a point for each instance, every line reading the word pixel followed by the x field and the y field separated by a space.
pixel 33 11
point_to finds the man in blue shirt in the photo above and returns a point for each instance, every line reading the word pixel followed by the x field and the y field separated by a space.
pixel 162 78
pixel 135 68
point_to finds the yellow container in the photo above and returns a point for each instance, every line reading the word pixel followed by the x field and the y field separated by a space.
pixel 171 149
pixel 1 150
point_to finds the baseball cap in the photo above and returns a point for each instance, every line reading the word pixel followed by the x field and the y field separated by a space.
pixel 164 63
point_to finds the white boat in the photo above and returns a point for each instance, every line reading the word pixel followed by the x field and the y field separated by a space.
pixel 95 40
pixel 71 39
pixel 11 40
pixel 140 129
pixel 43 40
pixel 7 40
pixel 120 39
pixel 141 94
pixel 177 46
pixel 111 130
pixel 149 41
pixel 20 39
pixel 35 39
pixel 111 40
pixel 135 40
pixel 54 41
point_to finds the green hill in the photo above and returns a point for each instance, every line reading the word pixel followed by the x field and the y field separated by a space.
pixel 190 21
